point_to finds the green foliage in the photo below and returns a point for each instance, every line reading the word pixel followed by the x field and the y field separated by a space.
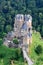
pixel 2 22
pixel 2 34
pixel 15 40
pixel 9 54
pixel 37 58
pixel 10 8
pixel 41 31
pixel 8 28
pixel 38 49
pixel 1 41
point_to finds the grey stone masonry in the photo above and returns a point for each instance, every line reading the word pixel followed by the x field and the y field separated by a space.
pixel 23 27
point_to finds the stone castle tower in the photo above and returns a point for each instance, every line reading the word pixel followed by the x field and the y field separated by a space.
pixel 23 27
pixel 19 19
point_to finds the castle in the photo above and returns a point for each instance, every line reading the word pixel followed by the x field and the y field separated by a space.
pixel 22 31
pixel 23 28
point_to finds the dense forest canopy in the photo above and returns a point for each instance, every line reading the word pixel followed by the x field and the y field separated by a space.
pixel 9 8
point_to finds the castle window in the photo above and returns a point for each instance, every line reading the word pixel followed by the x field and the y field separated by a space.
pixel 29 29
pixel 21 17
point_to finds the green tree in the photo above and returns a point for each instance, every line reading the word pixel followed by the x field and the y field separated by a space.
pixel 2 23
pixel 8 10
pixel 1 41
pixel 8 28
pixel 41 31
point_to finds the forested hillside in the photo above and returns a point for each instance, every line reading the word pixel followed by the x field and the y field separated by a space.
pixel 9 8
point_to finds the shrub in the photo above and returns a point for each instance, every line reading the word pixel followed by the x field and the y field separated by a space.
pixel 8 28
pixel 38 49
pixel 2 34
pixel 15 40
pixel 2 55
